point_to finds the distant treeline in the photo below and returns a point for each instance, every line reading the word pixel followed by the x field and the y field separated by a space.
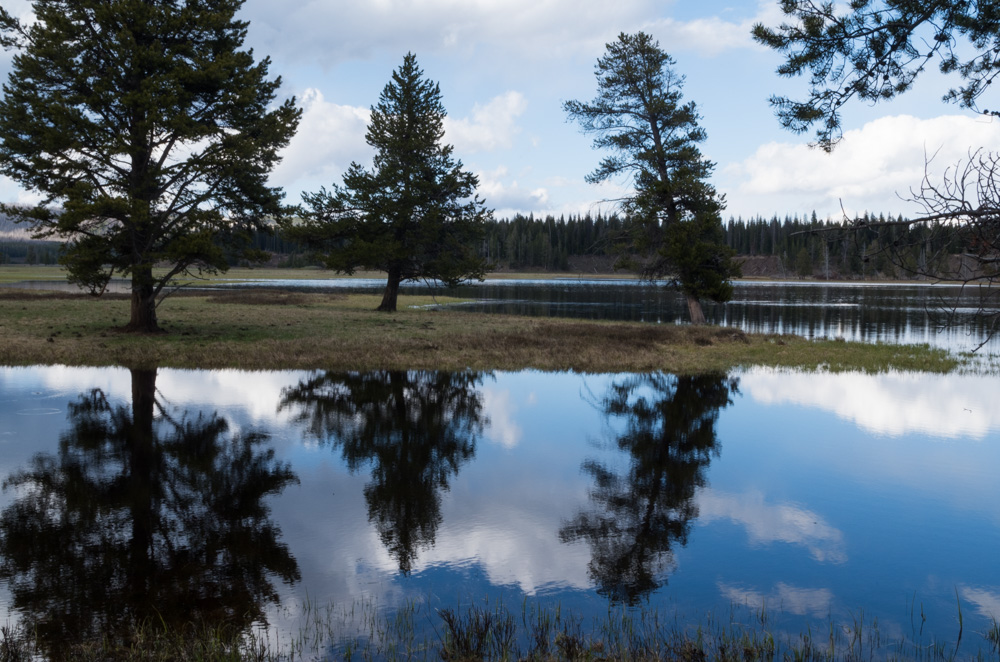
pixel 16 245
pixel 797 246
pixel 794 245
pixel 547 243
pixel 27 251
pixel 883 246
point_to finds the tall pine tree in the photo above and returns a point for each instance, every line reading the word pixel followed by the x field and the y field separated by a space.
pixel 415 214
pixel 149 132
pixel 675 229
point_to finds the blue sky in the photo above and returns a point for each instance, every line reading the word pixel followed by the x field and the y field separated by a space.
pixel 506 66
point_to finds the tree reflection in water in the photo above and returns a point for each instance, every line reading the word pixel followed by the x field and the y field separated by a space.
pixel 669 435
pixel 415 429
pixel 143 516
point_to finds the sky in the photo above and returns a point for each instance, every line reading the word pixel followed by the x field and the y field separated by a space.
pixel 505 68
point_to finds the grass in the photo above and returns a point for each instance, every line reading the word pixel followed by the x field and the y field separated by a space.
pixel 13 273
pixel 493 631
pixel 146 642
pixel 273 329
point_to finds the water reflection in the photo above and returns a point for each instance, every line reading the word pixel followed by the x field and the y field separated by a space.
pixel 895 404
pixel 640 514
pixel 793 599
pixel 143 515
pixel 835 493
pixel 415 429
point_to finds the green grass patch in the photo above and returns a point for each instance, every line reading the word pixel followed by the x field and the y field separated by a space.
pixel 15 273
pixel 273 329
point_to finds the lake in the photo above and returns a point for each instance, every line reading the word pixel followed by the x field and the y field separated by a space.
pixel 294 498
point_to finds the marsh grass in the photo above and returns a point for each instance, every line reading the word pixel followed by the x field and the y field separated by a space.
pixel 992 635
pixel 147 642
pixel 15 644
pixel 491 631
pixel 262 329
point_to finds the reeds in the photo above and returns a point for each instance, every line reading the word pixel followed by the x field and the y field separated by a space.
pixel 491 631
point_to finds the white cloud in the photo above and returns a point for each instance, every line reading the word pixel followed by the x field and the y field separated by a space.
pixel 20 9
pixel 334 32
pixel 331 33
pixel 492 126
pixel 769 523
pixel 714 35
pixel 329 138
pixel 12 193
pixel 792 599
pixel 959 406
pixel 507 196
pixel 513 544
pixel 501 411
pixel 988 601
pixel 869 170
pixel 256 393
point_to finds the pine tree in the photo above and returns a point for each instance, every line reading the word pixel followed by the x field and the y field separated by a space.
pixel 674 213
pixel 149 132
pixel 415 215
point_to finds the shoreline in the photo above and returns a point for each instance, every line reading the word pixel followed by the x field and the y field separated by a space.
pixel 278 329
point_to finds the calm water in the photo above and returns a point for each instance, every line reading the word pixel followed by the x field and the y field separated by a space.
pixel 941 315
pixel 239 497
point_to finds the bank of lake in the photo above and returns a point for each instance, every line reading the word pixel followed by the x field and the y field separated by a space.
pixel 273 330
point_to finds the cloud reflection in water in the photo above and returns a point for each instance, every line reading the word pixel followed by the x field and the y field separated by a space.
pixel 895 404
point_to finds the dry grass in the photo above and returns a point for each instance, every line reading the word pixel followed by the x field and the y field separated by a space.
pixel 266 297
pixel 265 329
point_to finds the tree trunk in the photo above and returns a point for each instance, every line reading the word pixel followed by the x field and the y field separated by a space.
pixel 391 291
pixel 143 318
pixel 694 309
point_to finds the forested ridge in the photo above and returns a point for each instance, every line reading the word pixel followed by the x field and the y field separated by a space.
pixel 790 246
pixel 796 246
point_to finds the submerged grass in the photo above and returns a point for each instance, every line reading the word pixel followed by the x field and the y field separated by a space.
pixel 492 631
pixel 272 329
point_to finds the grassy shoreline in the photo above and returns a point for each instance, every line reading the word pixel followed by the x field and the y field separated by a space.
pixel 274 329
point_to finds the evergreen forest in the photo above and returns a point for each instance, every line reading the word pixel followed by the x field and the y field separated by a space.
pixel 787 247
